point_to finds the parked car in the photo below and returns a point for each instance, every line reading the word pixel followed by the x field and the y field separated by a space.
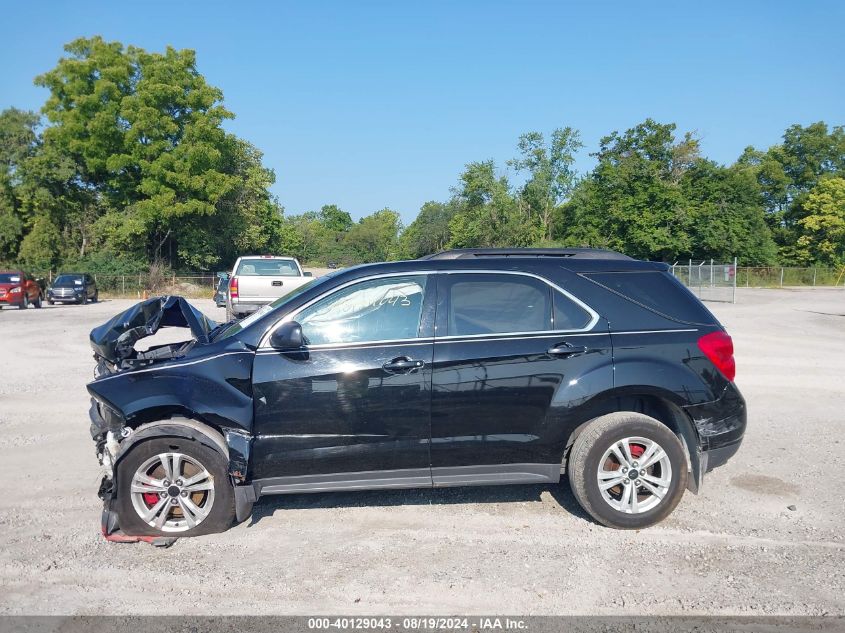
pixel 19 289
pixel 470 367
pixel 221 290
pixel 257 280
pixel 73 288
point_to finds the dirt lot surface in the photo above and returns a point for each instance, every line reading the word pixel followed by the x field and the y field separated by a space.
pixel 765 536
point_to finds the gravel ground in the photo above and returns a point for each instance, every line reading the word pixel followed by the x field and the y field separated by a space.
pixel 736 549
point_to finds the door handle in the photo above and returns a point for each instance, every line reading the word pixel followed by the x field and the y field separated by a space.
pixel 403 364
pixel 565 349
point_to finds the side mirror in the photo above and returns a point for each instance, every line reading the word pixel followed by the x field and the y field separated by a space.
pixel 307 273
pixel 287 337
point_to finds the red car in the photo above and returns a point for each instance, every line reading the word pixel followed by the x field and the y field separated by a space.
pixel 19 289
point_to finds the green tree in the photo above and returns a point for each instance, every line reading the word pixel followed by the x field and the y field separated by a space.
pixel 429 232
pixel 18 142
pixel 40 248
pixel 727 216
pixel 376 237
pixel 822 225
pixel 144 132
pixel 788 171
pixel 633 201
pixel 551 172
pixel 489 213
pixel 335 219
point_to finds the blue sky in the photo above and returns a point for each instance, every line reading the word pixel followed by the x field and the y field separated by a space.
pixel 373 104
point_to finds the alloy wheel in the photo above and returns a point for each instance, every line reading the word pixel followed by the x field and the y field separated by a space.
pixel 172 492
pixel 634 475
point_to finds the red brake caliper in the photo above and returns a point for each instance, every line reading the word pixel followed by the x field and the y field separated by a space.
pixel 150 498
pixel 637 450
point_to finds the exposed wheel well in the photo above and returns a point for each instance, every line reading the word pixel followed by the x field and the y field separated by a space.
pixel 156 414
pixel 661 410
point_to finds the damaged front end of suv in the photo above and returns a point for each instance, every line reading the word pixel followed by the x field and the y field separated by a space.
pixel 172 393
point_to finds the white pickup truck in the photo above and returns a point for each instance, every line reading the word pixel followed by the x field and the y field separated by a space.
pixel 257 280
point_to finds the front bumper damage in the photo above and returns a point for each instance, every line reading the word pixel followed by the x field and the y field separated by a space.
pixel 108 449
pixel 129 405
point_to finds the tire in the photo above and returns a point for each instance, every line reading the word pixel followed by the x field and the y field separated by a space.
pixel 51 302
pixel 84 300
pixel 23 305
pixel 38 303
pixel 615 507
pixel 96 298
pixel 145 457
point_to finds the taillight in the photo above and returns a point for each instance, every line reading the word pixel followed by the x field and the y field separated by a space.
pixel 233 287
pixel 719 348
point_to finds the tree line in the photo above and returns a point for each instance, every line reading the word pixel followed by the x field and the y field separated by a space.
pixel 128 163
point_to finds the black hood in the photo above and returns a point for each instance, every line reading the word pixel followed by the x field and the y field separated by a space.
pixel 114 340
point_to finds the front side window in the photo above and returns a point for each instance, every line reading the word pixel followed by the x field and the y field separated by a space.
pixel 375 310
pixel 496 304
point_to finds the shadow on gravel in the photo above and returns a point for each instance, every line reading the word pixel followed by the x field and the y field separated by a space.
pixel 561 493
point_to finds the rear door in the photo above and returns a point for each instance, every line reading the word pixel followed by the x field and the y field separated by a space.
pixel 514 358
pixel 352 409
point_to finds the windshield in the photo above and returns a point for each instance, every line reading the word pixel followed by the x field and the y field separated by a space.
pixel 237 326
pixel 260 267
pixel 10 278
pixel 68 280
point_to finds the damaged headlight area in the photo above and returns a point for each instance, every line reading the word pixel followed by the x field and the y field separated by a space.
pixel 114 341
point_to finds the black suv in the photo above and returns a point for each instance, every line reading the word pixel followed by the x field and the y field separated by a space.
pixel 468 367
pixel 73 288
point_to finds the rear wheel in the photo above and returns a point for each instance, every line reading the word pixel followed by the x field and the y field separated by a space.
pixel 627 470
pixel 96 297
pixel 37 302
pixel 172 486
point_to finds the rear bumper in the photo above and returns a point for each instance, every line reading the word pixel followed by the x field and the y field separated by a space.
pixel 720 426
pixel 247 307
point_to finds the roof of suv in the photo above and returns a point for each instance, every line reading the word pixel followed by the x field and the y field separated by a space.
pixel 568 253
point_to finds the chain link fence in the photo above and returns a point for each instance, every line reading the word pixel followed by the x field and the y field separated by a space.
pixel 717 281
pixel 708 280
pixel 195 286
pixel 780 276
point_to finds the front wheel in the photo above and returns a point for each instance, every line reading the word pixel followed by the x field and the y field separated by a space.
pixel 171 486
pixel 627 470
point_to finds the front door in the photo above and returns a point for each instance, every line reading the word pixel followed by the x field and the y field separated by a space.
pixel 514 357
pixel 352 410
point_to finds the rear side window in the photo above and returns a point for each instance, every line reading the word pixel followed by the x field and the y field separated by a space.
pixel 658 291
pixel 494 304
pixel 568 314
pixel 267 268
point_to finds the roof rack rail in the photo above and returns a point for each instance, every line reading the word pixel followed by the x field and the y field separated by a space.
pixel 568 253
